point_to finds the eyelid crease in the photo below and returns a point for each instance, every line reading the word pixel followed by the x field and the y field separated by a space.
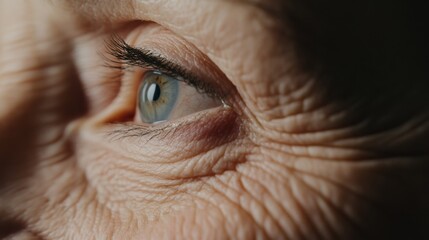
pixel 125 55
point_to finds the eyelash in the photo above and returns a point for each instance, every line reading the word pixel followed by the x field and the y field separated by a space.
pixel 121 56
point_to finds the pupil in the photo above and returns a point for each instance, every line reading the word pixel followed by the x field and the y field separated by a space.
pixel 157 93
pixel 154 92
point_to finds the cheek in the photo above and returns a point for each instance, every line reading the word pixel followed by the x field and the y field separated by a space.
pixel 215 218
pixel 150 174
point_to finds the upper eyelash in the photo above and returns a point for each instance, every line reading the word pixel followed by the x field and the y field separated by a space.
pixel 125 55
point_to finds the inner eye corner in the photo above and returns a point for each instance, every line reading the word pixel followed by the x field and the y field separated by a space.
pixel 117 117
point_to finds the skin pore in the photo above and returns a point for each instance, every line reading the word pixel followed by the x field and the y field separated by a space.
pixel 323 136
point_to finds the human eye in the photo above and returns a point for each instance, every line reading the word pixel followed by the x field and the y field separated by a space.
pixel 163 86
pixel 165 90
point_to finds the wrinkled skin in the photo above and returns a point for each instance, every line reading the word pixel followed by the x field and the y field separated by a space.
pixel 297 155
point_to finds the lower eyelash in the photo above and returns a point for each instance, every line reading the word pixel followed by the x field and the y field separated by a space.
pixel 129 130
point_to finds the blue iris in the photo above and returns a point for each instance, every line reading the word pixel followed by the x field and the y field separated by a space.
pixel 157 97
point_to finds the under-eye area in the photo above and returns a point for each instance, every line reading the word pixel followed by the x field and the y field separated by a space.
pixel 204 144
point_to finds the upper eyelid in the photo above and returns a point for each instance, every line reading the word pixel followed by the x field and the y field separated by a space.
pixel 126 55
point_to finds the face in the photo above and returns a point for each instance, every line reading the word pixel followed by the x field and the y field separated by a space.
pixel 211 119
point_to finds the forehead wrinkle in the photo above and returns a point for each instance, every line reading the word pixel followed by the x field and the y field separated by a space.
pixel 106 10
pixel 130 7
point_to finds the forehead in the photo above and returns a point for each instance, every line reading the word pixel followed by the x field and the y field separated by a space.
pixel 191 19
pixel 98 7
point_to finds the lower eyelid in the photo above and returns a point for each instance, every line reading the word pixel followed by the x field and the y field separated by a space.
pixel 174 151
pixel 218 125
